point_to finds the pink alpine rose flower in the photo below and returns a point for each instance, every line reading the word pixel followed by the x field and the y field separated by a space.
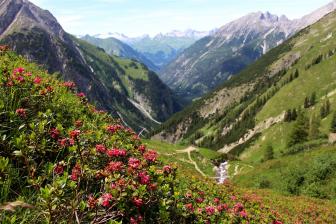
pixel 76 172
pixel 92 202
pixel 101 148
pixel 54 133
pixel 81 95
pixel 114 166
pixel 21 112
pixel 106 200
pixel 144 178
pixel 138 202
pixel 74 134
pixel 189 207
pixel 167 169
pixel 59 169
pixel 210 210
pixel 150 156
pixel 69 85
pixel 37 80
pixel 134 163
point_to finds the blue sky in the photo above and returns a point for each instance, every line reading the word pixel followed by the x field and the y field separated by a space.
pixel 137 17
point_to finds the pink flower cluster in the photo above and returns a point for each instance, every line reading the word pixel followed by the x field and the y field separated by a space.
pixel 70 85
pixel 150 156
pixel 106 200
pixel 138 202
pixel 114 166
pixel 81 95
pixel 59 168
pixel 21 112
pixel 144 178
pixel 116 152
pixel 64 142
pixel 76 172
pixel 134 163
pixel 136 220
pixel 54 133
pixel 114 128
pixel 101 148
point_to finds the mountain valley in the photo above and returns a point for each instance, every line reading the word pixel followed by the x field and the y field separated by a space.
pixel 213 59
pixel 235 125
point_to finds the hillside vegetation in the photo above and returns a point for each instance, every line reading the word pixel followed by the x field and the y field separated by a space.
pixel 125 88
pixel 63 161
pixel 279 81
pixel 276 117
pixel 113 46
pixel 303 161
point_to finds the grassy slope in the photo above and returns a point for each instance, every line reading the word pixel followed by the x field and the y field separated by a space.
pixel 294 207
pixel 319 78
pixel 131 80
pixel 169 154
pixel 277 171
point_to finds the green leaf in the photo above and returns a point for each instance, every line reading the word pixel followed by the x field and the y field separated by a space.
pixel 17 153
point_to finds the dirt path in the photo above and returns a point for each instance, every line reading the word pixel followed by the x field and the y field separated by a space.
pixel 239 168
pixel 191 161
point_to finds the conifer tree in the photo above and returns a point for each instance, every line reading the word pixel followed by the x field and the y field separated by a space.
pixel 327 106
pixel 296 74
pixel 288 116
pixel 306 103
pixel 268 153
pixel 312 99
pixel 314 125
pixel 299 133
pixel 293 115
pixel 323 111
pixel 333 123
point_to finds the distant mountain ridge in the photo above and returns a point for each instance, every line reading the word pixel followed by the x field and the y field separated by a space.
pixel 113 46
pixel 125 88
pixel 190 33
pixel 159 49
pixel 213 59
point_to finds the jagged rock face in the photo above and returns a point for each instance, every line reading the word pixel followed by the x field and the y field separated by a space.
pixel 37 35
pixel 213 59
pixel 314 16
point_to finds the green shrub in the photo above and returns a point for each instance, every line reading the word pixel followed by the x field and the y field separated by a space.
pixel 305 146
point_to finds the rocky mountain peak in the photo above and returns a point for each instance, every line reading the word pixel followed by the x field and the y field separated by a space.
pixel 314 16
pixel 22 14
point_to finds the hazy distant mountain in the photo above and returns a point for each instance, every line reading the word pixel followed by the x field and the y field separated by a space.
pixel 160 49
pixel 119 36
pixel 163 48
pixel 214 58
pixel 116 47
pixel 125 88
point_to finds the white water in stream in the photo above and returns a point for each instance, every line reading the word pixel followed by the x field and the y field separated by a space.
pixel 222 172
